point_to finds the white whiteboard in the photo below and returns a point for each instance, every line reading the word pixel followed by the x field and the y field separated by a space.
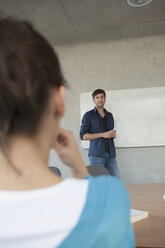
pixel 139 115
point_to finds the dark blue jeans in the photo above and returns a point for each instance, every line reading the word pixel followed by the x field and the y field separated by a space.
pixel 107 162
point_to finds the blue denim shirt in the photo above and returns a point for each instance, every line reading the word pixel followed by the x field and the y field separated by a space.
pixel 92 123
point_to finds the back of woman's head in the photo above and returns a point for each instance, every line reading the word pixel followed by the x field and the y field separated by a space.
pixel 29 69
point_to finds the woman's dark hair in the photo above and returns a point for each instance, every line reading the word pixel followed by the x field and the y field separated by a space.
pixel 98 91
pixel 29 69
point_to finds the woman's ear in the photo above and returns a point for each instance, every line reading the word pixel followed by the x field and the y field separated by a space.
pixel 59 101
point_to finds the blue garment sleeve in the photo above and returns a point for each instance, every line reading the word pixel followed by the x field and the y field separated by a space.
pixel 85 126
pixel 105 219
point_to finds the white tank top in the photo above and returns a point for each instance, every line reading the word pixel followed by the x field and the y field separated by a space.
pixel 41 218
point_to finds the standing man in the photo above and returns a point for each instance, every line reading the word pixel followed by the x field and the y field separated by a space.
pixel 98 127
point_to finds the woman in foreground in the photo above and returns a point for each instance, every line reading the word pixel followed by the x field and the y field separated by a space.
pixel 38 208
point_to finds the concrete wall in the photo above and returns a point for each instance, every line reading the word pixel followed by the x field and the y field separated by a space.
pixel 134 63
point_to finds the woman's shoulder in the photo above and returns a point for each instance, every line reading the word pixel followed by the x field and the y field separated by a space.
pixel 98 188
pixel 108 196
pixel 106 207
pixel 111 185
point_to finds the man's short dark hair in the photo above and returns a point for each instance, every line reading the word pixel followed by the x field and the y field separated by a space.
pixel 98 91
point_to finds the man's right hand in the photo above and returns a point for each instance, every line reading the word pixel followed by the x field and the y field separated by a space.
pixel 109 134
pixel 106 135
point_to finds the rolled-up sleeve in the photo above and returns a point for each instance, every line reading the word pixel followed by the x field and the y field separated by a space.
pixel 85 125
pixel 112 121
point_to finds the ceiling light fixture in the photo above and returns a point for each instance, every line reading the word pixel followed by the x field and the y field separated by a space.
pixel 138 3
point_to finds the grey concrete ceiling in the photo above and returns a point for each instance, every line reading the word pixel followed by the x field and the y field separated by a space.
pixel 79 21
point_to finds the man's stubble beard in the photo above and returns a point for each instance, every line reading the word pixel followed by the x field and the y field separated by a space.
pixel 100 107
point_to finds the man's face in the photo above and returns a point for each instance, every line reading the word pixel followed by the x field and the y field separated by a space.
pixel 99 100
